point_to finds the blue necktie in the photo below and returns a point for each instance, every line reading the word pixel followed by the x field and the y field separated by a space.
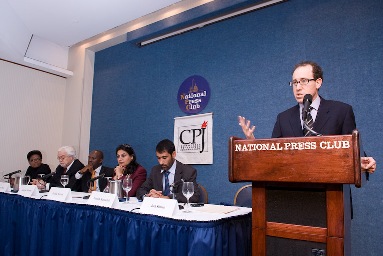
pixel 167 187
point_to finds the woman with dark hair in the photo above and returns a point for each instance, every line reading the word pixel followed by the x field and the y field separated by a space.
pixel 36 165
pixel 127 165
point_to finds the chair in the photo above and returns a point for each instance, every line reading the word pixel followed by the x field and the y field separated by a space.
pixel 203 195
pixel 243 196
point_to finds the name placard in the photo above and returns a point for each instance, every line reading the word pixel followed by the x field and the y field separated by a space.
pixel 28 190
pixel 159 206
pixel 5 187
pixel 103 199
pixel 60 194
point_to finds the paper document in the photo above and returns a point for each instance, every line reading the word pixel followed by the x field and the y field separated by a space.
pixel 212 208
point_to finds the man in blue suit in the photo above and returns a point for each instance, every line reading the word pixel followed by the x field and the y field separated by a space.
pixel 330 117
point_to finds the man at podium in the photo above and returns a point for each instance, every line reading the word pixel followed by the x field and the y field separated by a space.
pixel 323 117
pixel 292 211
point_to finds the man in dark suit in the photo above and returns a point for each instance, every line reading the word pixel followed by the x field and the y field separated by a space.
pixel 333 118
pixel 155 185
pixel 92 170
pixel 330 117
pixel 69 165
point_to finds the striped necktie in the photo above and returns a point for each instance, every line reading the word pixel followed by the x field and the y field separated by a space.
pixel 309 122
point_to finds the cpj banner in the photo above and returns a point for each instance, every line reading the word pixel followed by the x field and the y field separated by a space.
pixel 193 138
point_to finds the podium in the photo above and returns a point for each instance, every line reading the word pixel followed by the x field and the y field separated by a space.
pixel 293 178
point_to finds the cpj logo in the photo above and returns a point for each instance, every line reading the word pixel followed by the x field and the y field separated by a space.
pixel 192 139
pixel 193 94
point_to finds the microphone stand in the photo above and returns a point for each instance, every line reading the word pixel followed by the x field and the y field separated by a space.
pixel 310 130
pixel 94 179
pixel 172 188
pixel 10 174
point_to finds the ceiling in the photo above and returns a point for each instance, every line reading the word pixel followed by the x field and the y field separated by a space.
pixel 64 23
pixel 71 21
pixel 39 33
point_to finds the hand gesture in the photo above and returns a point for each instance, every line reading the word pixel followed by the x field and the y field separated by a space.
pixel 119 171
pixel 246 128
pixel 156 194
pixel 368 164
pixel 87 168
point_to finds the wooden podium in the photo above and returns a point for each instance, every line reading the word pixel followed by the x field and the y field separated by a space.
pixel 323 165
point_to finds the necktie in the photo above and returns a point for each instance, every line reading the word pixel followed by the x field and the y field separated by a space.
pixel 167 186
pixel 64 171
pixel 309 122
pixel 94 185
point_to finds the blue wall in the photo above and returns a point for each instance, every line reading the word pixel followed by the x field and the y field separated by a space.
pixel 248 61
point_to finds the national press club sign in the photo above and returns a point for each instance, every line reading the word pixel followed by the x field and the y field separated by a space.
pixel 193 94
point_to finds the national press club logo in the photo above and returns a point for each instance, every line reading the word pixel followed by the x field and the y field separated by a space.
pixel 193 94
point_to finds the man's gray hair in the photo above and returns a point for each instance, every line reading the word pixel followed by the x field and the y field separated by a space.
pixel 69 150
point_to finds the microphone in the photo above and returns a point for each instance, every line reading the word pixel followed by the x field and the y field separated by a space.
pixel 98 177
pixel 174 187
pixel 95 178
pixel 45 177
pixel 11 173
pixel 307 100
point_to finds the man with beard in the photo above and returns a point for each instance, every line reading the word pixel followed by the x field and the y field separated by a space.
pixel 169 171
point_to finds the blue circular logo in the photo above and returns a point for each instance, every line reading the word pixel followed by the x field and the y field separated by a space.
pixel 193 94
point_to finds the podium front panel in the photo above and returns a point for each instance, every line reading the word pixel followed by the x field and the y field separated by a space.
pixel 326 159
pixel 300 206
pixel 282 247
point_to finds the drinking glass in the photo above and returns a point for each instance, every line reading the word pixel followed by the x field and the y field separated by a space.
pixel 64 180
pixel 187 191
pixel 127 184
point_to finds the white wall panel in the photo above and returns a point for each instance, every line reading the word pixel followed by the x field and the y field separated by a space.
pixel 31 114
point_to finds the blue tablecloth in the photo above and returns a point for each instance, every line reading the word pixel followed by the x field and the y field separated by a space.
pixel 42 227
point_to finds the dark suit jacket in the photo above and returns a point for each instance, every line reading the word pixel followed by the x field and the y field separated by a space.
pixel 183 171
pixel 102 182
pixel 333 118
pixel 73 184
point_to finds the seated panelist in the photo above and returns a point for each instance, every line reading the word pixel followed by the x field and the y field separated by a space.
pixel 94 169
pixel 36 165
pixel 68 165
pixel 128 166
pixel 169 171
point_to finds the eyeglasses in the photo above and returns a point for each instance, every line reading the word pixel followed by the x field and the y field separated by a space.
pixel 60 158
pixel 302 81
pixel 35 160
